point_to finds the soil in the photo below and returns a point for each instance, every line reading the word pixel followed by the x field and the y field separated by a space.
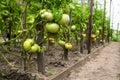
pixel 54 63
pixel 106 66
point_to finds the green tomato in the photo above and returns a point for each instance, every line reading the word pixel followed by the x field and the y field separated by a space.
pixel 97 32
pixel 52 27
pixel 73 28
pixel 78 38
pixel 61 43
pixel 42 11
pixel 36 45
pixel 84 35
pixel 64 20
pixel 26 45
pixel 39 49
pixel 31 41
pixel 48 16
pixel 34 48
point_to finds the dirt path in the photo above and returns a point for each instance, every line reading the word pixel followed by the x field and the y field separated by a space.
pixel 106 66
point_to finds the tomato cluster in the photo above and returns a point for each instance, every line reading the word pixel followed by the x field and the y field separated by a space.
pixel 30 46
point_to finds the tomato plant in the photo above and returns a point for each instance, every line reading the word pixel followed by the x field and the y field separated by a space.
pixel 29 25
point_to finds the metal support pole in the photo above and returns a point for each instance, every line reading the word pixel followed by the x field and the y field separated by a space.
pixel 109 23
pixel 117 30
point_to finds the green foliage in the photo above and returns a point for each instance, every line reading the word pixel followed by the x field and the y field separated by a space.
pixel 116 36
pixel 97 19
pixel 10 12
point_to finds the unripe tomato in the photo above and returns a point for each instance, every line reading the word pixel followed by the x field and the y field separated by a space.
pixel 42 11
pixel 31 41
pixel 68 45
pixel 73 28
pixel 97 32
pixel 84 35
pixel 64 20
pixel 39 49
pixel 52 27
pixel 26 45
pixel 78 38
pixel 36 45
pixel 48 16
pixel 61 43
pixel 34 48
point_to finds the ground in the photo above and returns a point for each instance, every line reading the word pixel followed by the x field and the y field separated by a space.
pixel 106 66
pixel 54 63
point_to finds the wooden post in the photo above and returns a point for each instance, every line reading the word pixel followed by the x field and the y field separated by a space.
pixel 68 37
pixel 90 27
pixel 81 31
pixel 103 24
pixel 9 31
pixel 40 56
pixel 24 17
pixel 9 34
pixel 24 27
